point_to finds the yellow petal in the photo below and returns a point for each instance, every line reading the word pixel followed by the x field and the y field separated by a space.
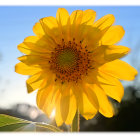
pixel 72 109
pixel 62 16
pixel 33 60
pixel 21 68
pixel 91 96
pixel 113 35
pixel 98 29
pixel 33 49
pixel 86 108
pixel 90 36
pixel 104 22
pixel 34 82
pixel 38 49
pixel 49 22
pixel 47 100
pixel 68 107
pixel 32 39
pixel 24 49
pixel 91 77
pixel 63 19
pixel 58 115
pixel 42 96
pixel 64 105
pixel 119 69
pixel 64 88
pixel 75 19
pixel 42 44
pixel 111 86
pixel 51 29
pixel 104 54
pixel 50 78
pixel 35 45
pixel 38 30
pixel 88 17
pixel 105 106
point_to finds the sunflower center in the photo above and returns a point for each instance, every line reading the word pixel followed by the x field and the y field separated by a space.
pixel 66 58
pixel 70 61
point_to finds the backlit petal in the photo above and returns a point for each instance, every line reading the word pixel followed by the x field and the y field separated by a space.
pixel 105 106
pixel 86 108
pixel 72 109
pixel 88 17
pixel 111 86
pixel 120 70
pixel 91 96
pixel 64 105
pixel 42 44
pixel 75 19
pixel 113 35
pixel 42 96
pixel 62 16
pixel 58 115
pixel 24 48
pixel 34 82
pixel 63 19
pixel 105 54
pixel 38 30
pixel 22 68
pixel 51 29
pixel 48 102
pixel 35 45
pixel 33 60
pixel 104 22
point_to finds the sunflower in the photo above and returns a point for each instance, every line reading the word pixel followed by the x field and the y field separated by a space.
pixel 74 64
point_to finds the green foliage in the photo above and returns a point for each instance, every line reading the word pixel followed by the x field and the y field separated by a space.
pixel 9 123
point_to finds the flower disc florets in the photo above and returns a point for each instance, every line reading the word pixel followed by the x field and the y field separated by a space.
pixel 70 61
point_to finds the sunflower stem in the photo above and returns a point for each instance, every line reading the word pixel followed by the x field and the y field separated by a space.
pixel 75 127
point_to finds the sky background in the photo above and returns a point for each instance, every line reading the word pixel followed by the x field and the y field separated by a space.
pixel 16 23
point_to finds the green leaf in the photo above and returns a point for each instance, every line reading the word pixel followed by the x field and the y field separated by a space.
pixel 17 127
pixel 9 123
pixel 7 120
pixel 48 126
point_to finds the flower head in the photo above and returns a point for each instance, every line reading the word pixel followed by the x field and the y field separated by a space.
pixel 74 64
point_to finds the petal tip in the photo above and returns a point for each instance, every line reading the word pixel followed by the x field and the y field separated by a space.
pixel 29 88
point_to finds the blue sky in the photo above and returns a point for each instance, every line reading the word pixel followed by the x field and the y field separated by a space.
pixel 16 23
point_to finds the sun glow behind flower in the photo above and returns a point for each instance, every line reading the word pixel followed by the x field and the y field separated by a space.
pixel 52 116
